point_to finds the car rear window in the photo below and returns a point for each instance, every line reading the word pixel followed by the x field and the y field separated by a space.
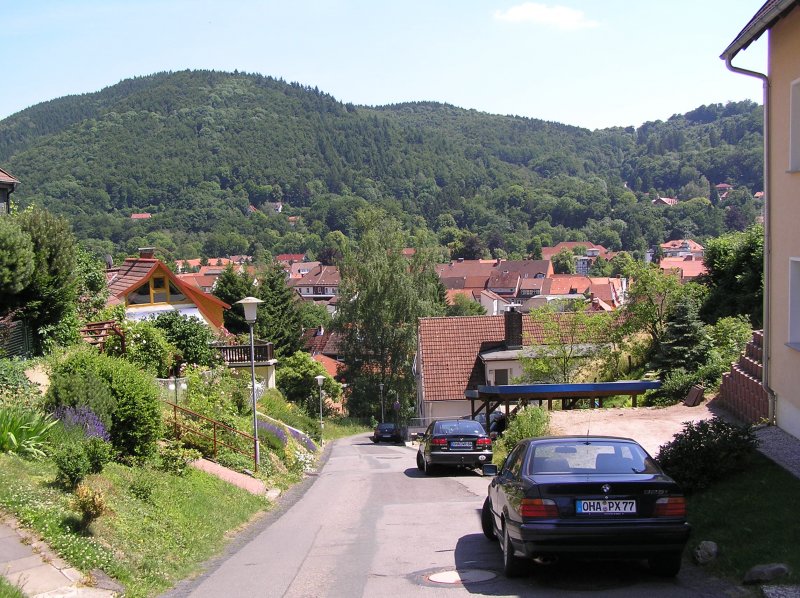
pixel 590 457
pixel 386 427
pixel 459 426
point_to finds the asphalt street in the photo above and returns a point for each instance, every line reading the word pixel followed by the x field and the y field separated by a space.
pixel 370 524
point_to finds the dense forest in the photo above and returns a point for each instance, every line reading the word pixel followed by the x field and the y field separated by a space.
pixel 209 154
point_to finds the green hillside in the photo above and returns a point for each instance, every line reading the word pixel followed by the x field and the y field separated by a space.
pixel 196 148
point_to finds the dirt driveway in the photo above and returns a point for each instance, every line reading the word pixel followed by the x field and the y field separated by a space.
pixel 650 426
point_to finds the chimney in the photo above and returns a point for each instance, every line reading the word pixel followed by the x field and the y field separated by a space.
pixel 147 253
pixel 512 321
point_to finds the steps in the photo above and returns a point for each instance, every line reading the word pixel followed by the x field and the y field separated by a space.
pixel 741 391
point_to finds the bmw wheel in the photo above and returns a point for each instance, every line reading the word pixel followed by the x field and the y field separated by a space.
pixel 487 520
pixel 512 564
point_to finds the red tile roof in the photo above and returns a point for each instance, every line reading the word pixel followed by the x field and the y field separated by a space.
pixel 549 252
pixel 449 351
pixel 140 216
pixel 679 244
pixel 688 267
pixel 6 178
pixel 320 276
pixel 331 365
pixel 290 258
pixel 320 340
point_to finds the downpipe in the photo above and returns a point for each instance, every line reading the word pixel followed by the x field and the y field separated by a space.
pixel 772 397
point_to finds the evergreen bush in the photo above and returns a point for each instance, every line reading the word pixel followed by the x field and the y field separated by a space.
pixel 72 463
pixel 706 451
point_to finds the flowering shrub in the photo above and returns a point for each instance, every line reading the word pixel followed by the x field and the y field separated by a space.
pixel 145 345
pixel 84 418
pixel 297 458
pixel 274 435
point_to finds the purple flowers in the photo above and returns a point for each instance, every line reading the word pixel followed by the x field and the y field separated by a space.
pixel 276 431
pixel 304 440
pixel 84 418
pixel 280 433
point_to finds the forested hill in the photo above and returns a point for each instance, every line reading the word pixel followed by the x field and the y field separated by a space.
pixel 196 149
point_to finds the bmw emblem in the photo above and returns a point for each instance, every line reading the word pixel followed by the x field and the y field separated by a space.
pixel 605 488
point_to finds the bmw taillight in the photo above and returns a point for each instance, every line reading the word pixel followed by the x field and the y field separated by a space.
pixel 439 442
pixel 670 506
pixel 538 507
pixel 483 442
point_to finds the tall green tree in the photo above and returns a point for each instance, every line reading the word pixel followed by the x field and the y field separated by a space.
pixel 464 306
pixel 296 379
pixel 685 343
pixel 49 300
pixel 564 262
pixel 651 297
pixel 278 317
pixel 382 296
pixel 16 262
pixel 735 278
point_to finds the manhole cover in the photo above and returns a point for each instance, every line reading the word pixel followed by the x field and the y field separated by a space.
pixel 462 576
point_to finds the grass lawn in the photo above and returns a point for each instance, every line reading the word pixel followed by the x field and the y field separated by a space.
pixel 340 428
pixel 160 527
pixel 751 517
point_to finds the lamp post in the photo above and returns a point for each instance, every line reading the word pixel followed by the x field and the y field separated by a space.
pixel 250 306
pixel 320 379
pixel 381 387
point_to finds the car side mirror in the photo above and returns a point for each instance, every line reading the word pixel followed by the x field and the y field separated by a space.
pixel 489 469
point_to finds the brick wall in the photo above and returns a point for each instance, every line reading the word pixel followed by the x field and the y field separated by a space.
pixel 741 392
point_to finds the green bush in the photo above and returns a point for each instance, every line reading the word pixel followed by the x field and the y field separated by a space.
pixel 529 422
pixel 143 484
pixel 99 452
pixel 15 388
pixel 145 346
pixel 174 457
pixel 136 419
pixel 706 451
pixel 72 463
pixel 190 337
pixel 73 389
pixel 673 389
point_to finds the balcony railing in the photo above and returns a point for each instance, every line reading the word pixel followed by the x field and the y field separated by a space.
pixel 240 354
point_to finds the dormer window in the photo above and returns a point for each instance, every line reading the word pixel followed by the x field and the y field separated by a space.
pixel 159 289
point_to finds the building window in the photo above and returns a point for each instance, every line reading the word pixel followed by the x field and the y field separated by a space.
pixel 500 377
pixel 794 303
pixel 794 127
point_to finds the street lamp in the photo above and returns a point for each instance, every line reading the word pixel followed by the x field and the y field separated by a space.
pixel 320 379
pixel 381 387
pixel 250 305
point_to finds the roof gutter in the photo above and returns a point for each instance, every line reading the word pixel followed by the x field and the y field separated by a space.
pixel 765 379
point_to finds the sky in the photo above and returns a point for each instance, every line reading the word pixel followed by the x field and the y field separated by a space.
pixel 589 63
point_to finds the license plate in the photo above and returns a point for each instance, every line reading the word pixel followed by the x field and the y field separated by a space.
pixel 605 507
pixel 460 445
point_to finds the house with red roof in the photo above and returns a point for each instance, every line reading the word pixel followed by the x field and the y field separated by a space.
pixel 146 287
pixel 141 216
pixel 687 268
pixel 320 284
pixel 7 185
pixel 665 201
pixel 583 261
pixel 682 248
pixel 458 354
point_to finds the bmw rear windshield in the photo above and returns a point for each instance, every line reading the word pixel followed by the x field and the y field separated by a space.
pixel 458 426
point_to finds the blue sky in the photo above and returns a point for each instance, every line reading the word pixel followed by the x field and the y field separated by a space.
pixel 590 63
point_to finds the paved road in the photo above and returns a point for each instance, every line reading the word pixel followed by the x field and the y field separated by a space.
pixel 372 525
